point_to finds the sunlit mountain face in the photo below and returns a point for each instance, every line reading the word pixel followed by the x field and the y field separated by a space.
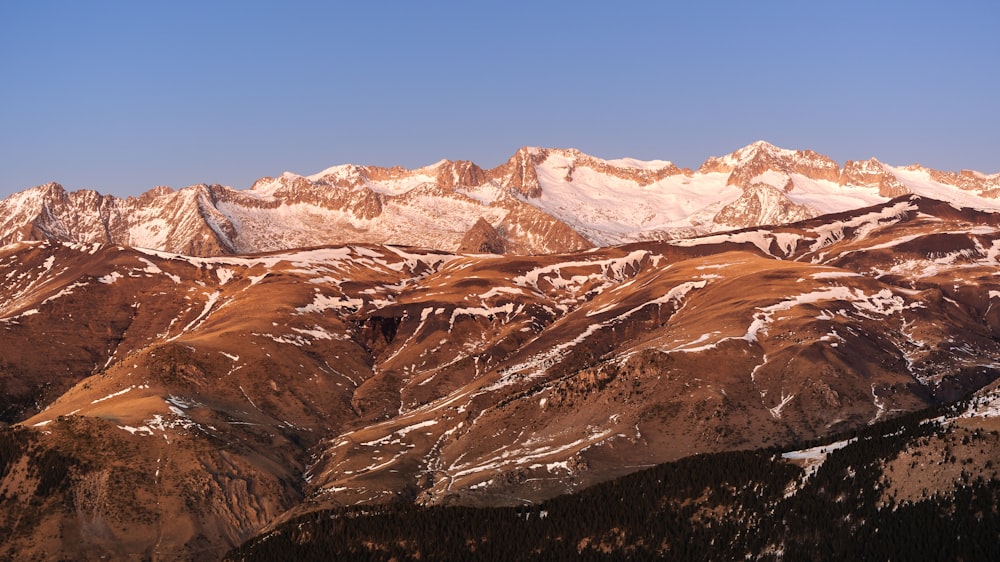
pixel 186 370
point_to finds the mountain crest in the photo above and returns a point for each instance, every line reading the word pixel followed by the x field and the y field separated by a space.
pixel 451 174
pixel 518 173
pixel 762 204
pixel 874 173
pixel 541 200
pixel 747 164
pixel 482 238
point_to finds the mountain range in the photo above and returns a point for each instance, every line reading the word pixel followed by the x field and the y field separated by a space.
pixel 183 371
pixel 539 201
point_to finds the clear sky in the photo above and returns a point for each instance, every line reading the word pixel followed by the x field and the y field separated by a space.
pixel 123 96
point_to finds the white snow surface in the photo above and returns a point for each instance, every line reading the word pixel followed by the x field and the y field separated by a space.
pixel 610 210
pixel 883 303
pixel 814 457
pixel 984 406
pixel 920 183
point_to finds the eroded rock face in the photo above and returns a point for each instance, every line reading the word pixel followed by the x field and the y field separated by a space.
pixel 461 173
pixel 750 162
pixel 104 493
pixel 872 173
pixel 969 180
pixel 761 204
pixel 482 238
pixel 519 173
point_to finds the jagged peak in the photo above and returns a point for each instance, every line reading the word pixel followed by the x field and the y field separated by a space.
pixel 53 191
pixel 50 187
pixel 756 158
pixel 532 151
pixel 763 146
pixel 432 169
pixel 754 149
pixel 451 173
pixel 154 193
pixel 263 184
pixel 445 164
pixel 758 149
pixel 160 190
pixel 482 238
pixel 33 199
pixel 870 165
pixel 456 173
pixel 340 171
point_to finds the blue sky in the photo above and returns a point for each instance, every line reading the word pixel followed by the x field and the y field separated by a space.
pixel 123 96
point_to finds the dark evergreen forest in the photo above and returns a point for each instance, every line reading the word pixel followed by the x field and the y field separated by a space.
pixel 726 506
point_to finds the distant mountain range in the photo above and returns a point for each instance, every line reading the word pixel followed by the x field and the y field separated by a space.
pixel 539 201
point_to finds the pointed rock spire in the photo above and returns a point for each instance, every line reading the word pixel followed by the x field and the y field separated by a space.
pixel 482 238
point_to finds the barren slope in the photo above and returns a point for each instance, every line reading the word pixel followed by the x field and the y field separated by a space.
pixel 219 394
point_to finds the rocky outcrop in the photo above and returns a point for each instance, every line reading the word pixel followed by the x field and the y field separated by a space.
pixel 746 164
pixel 519 173
pixel 872 173
pixel 161 219
pixel 641 176
pixel 528 230
pixel 761 204
pixel 460 174
pixel 969 180
pixel 482 239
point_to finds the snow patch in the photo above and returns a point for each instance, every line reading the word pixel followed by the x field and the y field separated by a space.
pixel 112 395
pixel 322 303
pixel 224 275
pixel 110 278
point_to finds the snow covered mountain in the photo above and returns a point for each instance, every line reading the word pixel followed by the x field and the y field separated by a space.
pixel 539 201
pixel 195 401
